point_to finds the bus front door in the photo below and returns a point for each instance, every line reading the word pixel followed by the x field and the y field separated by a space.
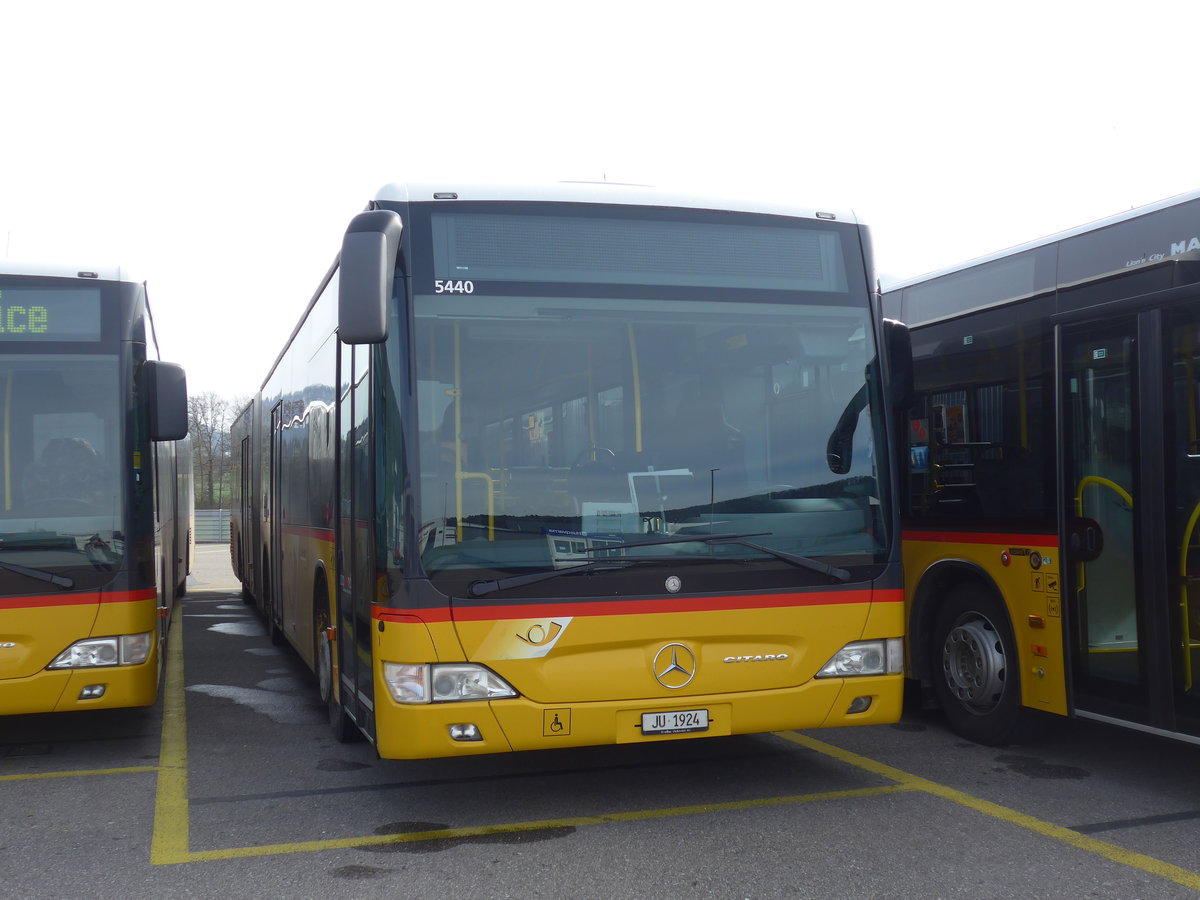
pixel 355 540
pixel 1182 473
pixel 1119 545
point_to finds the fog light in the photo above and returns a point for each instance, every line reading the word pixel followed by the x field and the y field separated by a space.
pixel 92 691
pixel 860 704
pixel 465 732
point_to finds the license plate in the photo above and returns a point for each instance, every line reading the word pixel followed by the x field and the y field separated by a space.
pixel 677 722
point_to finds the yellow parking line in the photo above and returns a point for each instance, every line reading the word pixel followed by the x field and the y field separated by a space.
pixel 170 843
pixel 539 825
pixel 1048 829
pixel 79 773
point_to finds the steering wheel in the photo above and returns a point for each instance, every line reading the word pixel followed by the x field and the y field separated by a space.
pixel 599 457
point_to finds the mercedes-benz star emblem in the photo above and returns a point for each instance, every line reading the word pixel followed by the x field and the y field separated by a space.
pixel 674 666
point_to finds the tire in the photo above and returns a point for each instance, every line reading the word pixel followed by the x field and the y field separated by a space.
pixel 345 731
pixel 976 671
pixel 268 609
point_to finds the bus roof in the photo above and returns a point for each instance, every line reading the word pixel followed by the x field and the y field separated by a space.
pixel 601 192
pixel 1164 232
pixel 63 270
pixel 1085 229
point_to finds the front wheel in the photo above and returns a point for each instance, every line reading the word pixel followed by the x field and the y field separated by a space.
pixel 976 669
pixel 344 730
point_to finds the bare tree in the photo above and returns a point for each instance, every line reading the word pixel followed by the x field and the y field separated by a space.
pixel 209 416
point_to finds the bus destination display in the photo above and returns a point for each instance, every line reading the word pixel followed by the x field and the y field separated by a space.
pixel 49 314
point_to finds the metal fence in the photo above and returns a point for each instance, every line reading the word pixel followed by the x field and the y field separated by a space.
pixel 212 526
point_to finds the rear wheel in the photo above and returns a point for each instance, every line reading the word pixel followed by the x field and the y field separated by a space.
pixel 976 670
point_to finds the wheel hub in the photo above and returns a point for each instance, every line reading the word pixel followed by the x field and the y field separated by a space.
pixel 973 663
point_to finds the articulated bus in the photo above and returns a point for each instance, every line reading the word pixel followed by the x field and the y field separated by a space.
pixel 1052 513
pixel 95 491
pixel 580 465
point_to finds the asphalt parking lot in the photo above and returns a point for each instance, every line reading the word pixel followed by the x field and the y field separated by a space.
pixel 232 786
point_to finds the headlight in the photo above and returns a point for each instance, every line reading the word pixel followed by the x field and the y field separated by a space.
pixel 443 683
pixel 121 650
pixel 885 657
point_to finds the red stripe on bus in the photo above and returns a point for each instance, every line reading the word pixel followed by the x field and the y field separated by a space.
pixel 642 607
pixel 320 534
pixel 89 599
pixel 970 537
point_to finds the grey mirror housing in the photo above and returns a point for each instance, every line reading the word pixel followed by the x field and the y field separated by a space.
pixel 365 269
pixel 166 386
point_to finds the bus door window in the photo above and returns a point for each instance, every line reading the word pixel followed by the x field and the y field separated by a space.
pixel 1183 486
pixel 1101 423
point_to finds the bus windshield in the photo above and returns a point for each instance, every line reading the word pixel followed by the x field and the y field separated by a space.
pixel 554 427
pixel 59 488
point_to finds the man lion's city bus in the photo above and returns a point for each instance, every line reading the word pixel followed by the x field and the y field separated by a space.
pixel 1052 514
pixel 579 465
pixel 95 491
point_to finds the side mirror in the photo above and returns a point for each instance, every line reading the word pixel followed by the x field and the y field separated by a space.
pixel 166 387
pixel 899 360
pixel 365 269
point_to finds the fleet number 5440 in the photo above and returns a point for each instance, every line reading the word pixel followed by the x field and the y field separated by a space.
pixel 453 287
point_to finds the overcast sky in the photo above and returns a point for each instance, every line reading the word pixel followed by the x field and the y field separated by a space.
pixel 219 149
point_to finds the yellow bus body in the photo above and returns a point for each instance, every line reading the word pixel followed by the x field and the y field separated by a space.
pixel 39 628
pixel 753 674
pixel 1033 596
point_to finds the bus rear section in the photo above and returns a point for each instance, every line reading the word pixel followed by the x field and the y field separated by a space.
pixel 1053 469
pixel 90 555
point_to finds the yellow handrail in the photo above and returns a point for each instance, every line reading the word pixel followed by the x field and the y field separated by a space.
pixel 1184 601
pixel 1103 482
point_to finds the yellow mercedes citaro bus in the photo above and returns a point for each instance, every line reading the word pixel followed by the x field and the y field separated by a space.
pixel 581 464
pixel 95 491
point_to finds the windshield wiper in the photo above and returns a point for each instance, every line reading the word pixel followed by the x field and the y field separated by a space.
pixel 40 574
pixel 803 562
pixel 483 588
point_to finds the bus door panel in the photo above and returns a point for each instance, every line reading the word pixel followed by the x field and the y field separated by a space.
pixel 1182 331
pixel 1100 424
pixel 246 560
pixel 363 543
pixel 274 518
pixel 355 543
